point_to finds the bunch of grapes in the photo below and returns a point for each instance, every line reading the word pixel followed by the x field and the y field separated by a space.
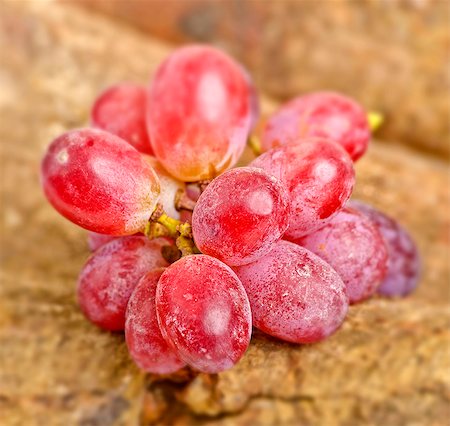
pixel 189 251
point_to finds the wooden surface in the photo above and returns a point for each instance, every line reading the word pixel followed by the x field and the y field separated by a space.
pixel 388 365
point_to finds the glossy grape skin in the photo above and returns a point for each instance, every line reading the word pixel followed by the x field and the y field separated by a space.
pixel 99 182
pixel 354 247
pixel 240 215
pixel 323 114
pixel 294 295
pixel 319 176
pixel 111 274
pixel 146 346
pixel 169 187
pixel 121 110
pixel 199 113
pixel 403 267
pixel 204 313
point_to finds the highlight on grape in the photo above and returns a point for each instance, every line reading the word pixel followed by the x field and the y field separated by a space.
pixel 189 252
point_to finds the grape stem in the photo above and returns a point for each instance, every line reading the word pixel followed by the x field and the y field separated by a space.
pixel 254 144
pixel 183 202
pixel 160 224
pixel 375 120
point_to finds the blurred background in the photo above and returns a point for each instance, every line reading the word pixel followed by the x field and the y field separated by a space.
pixel 389 364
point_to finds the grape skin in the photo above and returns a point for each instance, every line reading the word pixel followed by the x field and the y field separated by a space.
pixel 403 268
pixel 354 247
pixel 319 176
pixel 145 343
pixel 110 275
pixel 99 182
pixel 95 240
pixel 121 110
pixel 204 313
pixel 322 114
pixel 199 113
pixel 240 215
pixel 294 295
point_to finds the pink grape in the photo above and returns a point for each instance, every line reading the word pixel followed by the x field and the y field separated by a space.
pixel 110 275
pixel 323 114
pixel 240 215
pixel 354 247
pixel 204 313
pixel 95 241
pixel 145 343
pixel 319 176
pixel 121 110
pixel 403 267
pixel 294 295
pixel 199 113
pixel 99 182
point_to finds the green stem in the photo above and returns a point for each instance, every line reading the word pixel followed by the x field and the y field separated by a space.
pixel 254 144
pixel 375 120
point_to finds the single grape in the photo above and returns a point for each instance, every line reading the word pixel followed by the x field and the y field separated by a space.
pixel 110 275
pixel 145 343
pixel 95 240
pixel 403 267
pixel 121 110
pixel 203 313
pixel 323 114
pixel 319 176
pixel 354 247
pixel 294 295
pixel 199 113
pixel 169 187
pixel 240 215
pixel 99 182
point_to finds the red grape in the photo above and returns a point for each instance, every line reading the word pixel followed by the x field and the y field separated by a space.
pixel 99 182
pixel 403 267
pixel 240 215
pixel 294 295
pixel 121 110
pixel 110 275
pixel 95 240
pixel 199 113
pixel 324 114
pixel 169 187
pixel 354 247
pixel 145 343
pixel 203 313
pixel 319 176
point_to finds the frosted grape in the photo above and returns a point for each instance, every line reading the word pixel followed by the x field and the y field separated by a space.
pixel 294 295
pixel 145 343
pixel 99 182
pixel 354 247
pixel 240 215
pixel 319 176
pixel 403 267
pixel 199 113
pixel 323 114
pixel 121 110
pixel 110 275
pixel 204 313
pixel 96 240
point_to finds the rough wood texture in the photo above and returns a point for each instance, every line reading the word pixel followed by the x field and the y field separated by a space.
pixel 390 55
pixel 388 365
